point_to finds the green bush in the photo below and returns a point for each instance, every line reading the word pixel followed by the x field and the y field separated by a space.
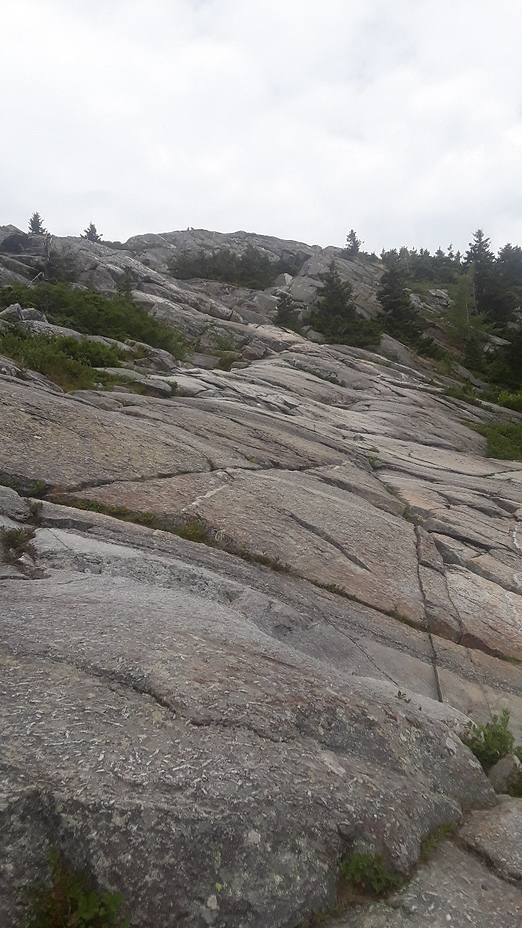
pixel 367 873
pixel 510 400
pixel 14 542
pixel 67 362
pixel 252 269
pixel 504 440
pixel 493 741
pixel 92 313
pixel 69 902
pixel 287 313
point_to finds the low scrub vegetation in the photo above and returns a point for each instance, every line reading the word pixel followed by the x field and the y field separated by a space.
pixel 14 542
pixel 510 400
pixel 252 269
pixel 368 874
pixel 504 440
pixel 66 361
pixel 93 313
pixel 493 741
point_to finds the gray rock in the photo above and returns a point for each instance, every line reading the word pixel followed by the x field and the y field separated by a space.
pixel 454 889
pixel 504 773
pixel 495 836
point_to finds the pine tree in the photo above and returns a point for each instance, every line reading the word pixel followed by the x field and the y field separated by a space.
pixel 400 318
pixel 36 225
pixel 287 315
pixel 91 233
pixel 353 244
pixel 335 315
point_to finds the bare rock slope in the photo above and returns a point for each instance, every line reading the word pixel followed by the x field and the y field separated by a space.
pixel 209 728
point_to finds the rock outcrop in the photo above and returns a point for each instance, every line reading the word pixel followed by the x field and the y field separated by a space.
pixel 208 728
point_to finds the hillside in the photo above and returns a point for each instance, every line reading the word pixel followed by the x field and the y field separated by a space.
pixel 254 589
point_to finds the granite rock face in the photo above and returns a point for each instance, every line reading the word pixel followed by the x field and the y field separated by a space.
pixel 207 728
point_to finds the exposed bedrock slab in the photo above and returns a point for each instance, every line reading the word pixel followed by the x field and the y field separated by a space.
pixel 168 745
pixel 491 617
pixel 495 836
pixel 322 532
pixel 64 442
pixel 454 889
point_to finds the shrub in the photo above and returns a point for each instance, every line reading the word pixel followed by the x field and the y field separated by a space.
pixel 93 313
pixel 251 269
pixel 492 741
pixel 287 313
pixel 15 542
pixel 504 441
pixel 69 902
pixel 67 362
pixel 368 873
pixel 510 400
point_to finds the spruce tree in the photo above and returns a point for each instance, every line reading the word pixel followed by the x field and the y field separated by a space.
pixel 36 225
pixel 91 233
pixel 353 244
pixel 399 316
pixel 335 315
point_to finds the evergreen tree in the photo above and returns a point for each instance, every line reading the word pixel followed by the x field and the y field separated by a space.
pixel 353 244
pixel 91 233
pixel 36 225
pixel 461 317
pixel 335 315
pixel 287 314
pixel 480 257
pixel 400 318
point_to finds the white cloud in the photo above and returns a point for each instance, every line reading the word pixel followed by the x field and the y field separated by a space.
pixel 300 119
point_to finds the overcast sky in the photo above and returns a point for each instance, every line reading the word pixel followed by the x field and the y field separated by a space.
pixel 302 119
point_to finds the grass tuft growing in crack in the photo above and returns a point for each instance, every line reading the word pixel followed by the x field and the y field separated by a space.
pixel 432 841
pixel 15 542
pixel 190 528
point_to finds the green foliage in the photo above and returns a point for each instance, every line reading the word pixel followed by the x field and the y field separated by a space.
pixel 353 245
pixel 69 902
pixel 368 874
pixel 15 542
pixel 465 393
pixel 36 225
pixel 402 696
pixel 92 313
pixel 251 269
pixel 461 317
pixel 510 400
pixel 64 360
pixel 400 318
pixel 504 440
pixel 287 314
pixel 492 741
pixel 335 315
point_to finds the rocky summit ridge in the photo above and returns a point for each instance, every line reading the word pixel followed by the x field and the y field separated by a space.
pixel 210 728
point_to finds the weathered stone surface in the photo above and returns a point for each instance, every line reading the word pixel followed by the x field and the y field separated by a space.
pixel 453 889
pixel 179 719
pixel 203 740
pixel 490 615
pixel 495 836
pixel 504 773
